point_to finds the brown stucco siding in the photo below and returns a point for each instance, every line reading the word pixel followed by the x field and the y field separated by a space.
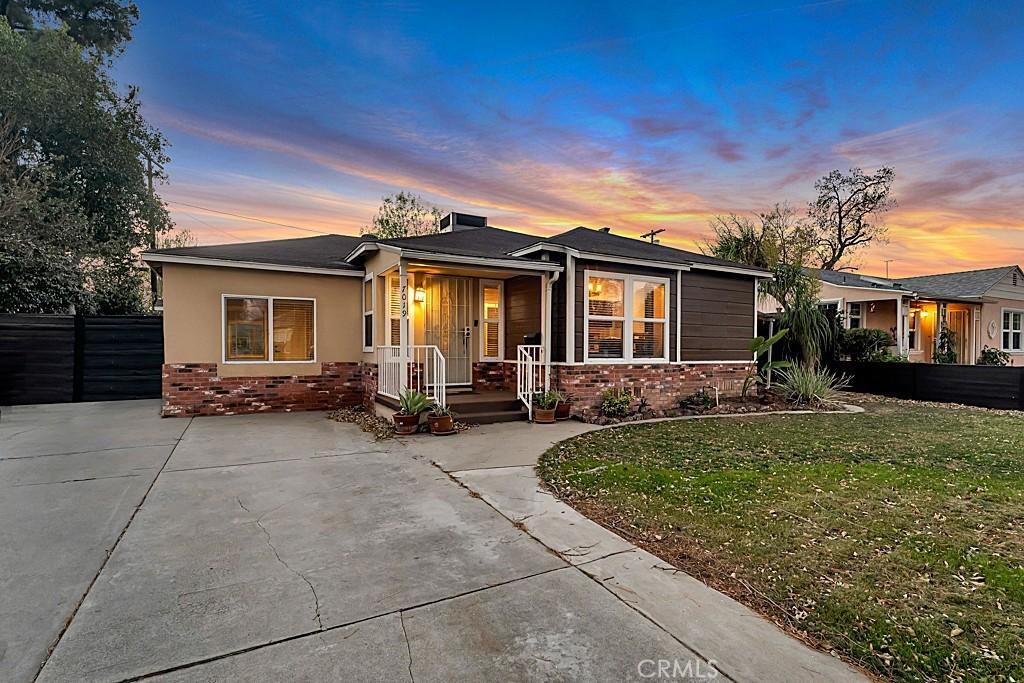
pixel 522 311
pixel 192 315
pixel 718 316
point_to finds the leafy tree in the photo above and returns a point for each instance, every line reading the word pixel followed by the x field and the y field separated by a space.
pixel 404 215
pixel 83 146
pixel 41 236
pixel 847 212
pixel 182 237
pixel 100 25
pixel 778 242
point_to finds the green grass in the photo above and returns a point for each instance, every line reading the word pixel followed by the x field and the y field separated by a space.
pixel 894 537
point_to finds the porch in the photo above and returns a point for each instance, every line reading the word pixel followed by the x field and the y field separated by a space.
pixel 474 339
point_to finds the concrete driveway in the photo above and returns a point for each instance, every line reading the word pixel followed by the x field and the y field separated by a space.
pixel 276 547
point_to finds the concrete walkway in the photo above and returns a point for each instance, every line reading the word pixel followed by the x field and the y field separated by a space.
pixel 497 463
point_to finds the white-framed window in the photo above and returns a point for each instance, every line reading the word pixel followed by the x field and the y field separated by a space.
pixel 492 320
pixel 1013 330
pixel 394 310
pixel 369 299
pixel 268 329
pixel 625 318
pixel 854 315
pixel 912 335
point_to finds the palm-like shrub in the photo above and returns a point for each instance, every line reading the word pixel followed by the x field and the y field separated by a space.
pixel 413 402
pixel 811 385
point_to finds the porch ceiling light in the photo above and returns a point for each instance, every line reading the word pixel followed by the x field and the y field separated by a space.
pixel 420 295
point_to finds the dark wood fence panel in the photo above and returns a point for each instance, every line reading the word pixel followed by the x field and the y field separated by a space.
pixel 37 359
pixel 976 385
pixel 121 357
pixel 63 358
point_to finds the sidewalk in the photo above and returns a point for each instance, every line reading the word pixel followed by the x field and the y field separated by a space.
pixel 497 463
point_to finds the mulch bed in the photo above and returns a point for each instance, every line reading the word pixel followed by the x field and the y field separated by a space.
pixel 765 403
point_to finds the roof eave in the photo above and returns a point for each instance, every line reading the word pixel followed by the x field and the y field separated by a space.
pixel 153 257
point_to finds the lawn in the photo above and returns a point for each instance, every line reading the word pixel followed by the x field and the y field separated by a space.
pixel 893 537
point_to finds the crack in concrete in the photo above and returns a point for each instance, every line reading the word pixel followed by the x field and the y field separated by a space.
pixel 408 645
pixel 270 544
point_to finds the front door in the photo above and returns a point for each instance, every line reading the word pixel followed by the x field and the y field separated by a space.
pixel 448 326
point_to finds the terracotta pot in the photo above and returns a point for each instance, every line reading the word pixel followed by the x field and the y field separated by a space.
pixel 406 424
pixel 441 424
pixel 544 416
pixel 563 411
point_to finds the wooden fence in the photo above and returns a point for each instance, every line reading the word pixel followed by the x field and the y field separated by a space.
pixel 64 358
pixel 975 385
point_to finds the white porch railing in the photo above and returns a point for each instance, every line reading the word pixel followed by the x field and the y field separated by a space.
pixel 423 370
pixel 531 374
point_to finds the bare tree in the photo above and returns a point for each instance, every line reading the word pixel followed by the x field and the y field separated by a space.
pixel 847 212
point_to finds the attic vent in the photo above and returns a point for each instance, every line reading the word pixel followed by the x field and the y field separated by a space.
pixel 1015 279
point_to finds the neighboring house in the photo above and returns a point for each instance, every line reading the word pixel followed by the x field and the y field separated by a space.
pixel 983 308
pixel 320 322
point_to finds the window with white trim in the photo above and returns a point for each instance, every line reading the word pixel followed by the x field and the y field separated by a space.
pixel 1013 330
pixel 369 285
pixel 912 328
pixel 262 329
pixel 626 317
pixel 492 312
pixel 394 310
pixel 854 313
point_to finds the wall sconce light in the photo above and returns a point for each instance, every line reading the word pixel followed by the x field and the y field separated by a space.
pixel 924 314
pixel 420 295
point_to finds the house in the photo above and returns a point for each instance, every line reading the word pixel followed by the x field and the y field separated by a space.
pixel 320 322
pixel 982 308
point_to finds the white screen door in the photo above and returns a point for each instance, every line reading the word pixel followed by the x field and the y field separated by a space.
pixel 448 325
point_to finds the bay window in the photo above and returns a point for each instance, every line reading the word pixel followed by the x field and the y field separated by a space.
pixel 626 317
pixel 262 329
pixel 1013 330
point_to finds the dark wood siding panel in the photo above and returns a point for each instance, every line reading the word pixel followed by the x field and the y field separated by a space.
pixel 522 311
pixel 558 315
pixel 581 283
pixel 718 316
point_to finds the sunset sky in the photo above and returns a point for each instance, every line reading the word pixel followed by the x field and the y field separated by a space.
pixel 551 115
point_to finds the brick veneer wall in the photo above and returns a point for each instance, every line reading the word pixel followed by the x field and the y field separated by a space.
pixel 490 376
pixel 661 384
pixel 196 389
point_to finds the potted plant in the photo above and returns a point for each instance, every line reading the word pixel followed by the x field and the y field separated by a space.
pixel 411 405
pixel 563 411
pixel 441 420
pixel 544 406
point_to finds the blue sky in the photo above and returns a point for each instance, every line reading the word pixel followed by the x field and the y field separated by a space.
pixel 551 115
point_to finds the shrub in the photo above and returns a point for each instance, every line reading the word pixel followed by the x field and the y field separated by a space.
pixel 864 343
pixel 990 356
pixel 616 403
pixel 887 357
pixel 809 385
pixel 698 400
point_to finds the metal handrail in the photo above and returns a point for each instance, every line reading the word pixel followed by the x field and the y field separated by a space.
pixel 424 369
pixel 531 373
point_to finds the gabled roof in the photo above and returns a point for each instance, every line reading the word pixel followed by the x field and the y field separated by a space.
pixel 844 278
pixel 333 253
pixel 601 242
pixel 325 252
pixel 486 242
pixel 965 284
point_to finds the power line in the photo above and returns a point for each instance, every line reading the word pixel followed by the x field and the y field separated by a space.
pixel 250 218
